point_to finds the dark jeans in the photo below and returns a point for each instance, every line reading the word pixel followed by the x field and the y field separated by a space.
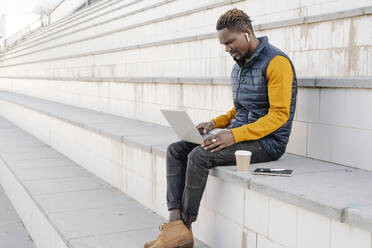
pixel 187 172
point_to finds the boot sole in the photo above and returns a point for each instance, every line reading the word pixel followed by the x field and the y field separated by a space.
pixel 188 244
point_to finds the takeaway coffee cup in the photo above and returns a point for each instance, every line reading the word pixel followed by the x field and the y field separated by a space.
pixel 243 160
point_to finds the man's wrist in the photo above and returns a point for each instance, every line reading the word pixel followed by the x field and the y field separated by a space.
pixel 232 134
pixel 213 124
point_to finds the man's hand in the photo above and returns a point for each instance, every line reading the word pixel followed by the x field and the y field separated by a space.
pixel 219 141
pixel 205 127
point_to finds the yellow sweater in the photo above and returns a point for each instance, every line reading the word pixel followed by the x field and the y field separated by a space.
pixel 279 76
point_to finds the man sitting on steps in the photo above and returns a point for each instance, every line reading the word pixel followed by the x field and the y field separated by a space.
pixel 264 88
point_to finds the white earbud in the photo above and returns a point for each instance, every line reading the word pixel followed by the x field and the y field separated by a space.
pixel 246 35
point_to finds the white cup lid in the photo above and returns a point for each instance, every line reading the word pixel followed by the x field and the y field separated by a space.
pixel 243 153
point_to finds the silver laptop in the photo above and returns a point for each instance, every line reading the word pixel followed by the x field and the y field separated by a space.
pixel 184 128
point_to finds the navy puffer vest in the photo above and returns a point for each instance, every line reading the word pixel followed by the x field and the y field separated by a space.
pixel 249 87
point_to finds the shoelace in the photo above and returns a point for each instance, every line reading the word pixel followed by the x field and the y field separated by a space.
pixel 161 227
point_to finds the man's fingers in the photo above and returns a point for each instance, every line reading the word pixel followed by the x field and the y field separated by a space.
pixel 209 140
pixel 200 125
pixel 200 128
pixel 219 148
pixel 212 145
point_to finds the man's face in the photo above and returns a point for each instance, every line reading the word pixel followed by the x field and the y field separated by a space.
pixel 235 42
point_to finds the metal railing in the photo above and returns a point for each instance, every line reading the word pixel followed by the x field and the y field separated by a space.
pixel 24 32
pixel 42 22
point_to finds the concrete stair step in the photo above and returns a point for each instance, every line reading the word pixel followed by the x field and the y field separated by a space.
pixel 12 232
pixel 64 205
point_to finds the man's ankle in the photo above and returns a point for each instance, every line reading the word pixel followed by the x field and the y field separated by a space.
pixel 174 214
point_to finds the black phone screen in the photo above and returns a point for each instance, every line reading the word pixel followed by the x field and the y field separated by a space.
pixel 272 172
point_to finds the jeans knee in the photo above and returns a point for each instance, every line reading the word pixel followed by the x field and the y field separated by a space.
pixel 174 149
pixel 196 153
pixel 198 157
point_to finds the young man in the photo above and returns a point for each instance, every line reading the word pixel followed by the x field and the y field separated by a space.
pixel 264 88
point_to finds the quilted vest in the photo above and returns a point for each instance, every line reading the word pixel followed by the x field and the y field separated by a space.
pixel 251 101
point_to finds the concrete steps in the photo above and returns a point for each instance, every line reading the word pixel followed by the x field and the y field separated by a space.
pixel 12 232
pixel 37 33
pixel 111 11
pixel 64 205
pixel 96 47
pixel 154 65
pixel 117 17
pixel 129 155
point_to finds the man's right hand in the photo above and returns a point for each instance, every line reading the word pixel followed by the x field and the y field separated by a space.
pixel 205 127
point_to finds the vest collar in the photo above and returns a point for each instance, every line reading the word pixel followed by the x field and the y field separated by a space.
pixel 264 41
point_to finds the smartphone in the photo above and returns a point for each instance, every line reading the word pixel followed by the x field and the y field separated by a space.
pixel 273 172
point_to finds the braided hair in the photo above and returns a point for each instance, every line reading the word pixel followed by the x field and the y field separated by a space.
pixel 234 20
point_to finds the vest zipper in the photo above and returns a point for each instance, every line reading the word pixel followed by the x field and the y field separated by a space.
pixel 237 92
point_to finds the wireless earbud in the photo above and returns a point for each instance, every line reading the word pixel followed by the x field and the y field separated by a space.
pixel 246 35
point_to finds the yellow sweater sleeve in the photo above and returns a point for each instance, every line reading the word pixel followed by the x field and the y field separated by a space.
pixel 279 86
pixel 224 120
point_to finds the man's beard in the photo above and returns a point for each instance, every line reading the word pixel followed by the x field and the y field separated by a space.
pixel 242 59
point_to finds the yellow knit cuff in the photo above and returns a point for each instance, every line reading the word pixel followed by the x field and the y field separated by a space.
pixel 219 122
pixel 239 134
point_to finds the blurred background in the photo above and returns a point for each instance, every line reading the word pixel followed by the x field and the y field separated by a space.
pixel 17 14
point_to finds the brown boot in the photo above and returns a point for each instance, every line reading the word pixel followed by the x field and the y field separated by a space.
pixel 173 235
pixel 148 244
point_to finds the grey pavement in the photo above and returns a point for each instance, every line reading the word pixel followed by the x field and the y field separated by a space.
pixel 84 210
pixel 12 232
pixel 325 188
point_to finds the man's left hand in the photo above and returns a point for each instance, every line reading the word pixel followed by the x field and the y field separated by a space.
pixel 219 141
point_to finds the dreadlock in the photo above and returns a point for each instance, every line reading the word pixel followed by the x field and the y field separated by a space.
pixel 235 20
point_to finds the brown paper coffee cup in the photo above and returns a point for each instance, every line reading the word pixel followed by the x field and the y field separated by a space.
pixel 243 160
